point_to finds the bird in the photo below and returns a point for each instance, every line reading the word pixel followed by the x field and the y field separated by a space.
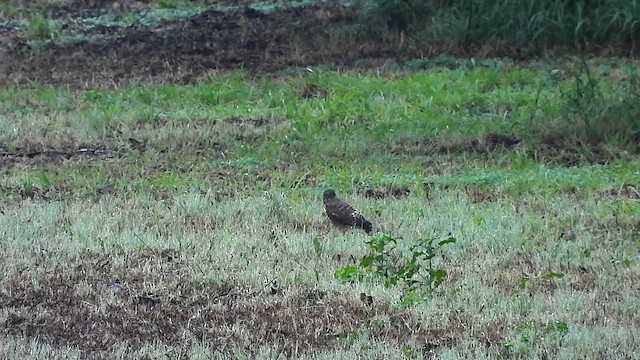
pixel 341 213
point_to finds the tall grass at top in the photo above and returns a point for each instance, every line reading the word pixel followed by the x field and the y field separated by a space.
pixel 523 23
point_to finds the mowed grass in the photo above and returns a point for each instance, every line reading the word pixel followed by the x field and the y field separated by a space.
pixel 170 220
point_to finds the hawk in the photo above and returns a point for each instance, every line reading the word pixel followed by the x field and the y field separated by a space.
pixel 342 213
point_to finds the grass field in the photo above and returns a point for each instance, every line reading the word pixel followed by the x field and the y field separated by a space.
pixel 170 219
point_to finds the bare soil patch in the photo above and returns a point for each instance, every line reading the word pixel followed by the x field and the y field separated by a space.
pixel 95 302
pixel 566 151
pixel 626 191
pixel 39 153
pixel 490 142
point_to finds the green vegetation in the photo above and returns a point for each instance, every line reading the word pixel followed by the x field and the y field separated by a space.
pixel 530 24
pixel 190 192
pixel 251 129
pixel 146 217
pixel 416 272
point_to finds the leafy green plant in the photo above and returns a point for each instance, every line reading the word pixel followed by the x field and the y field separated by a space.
pixel 416 272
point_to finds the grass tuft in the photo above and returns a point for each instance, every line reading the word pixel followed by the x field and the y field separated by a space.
pixel 41 28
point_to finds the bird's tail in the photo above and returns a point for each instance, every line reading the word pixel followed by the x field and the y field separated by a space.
pixel 366 225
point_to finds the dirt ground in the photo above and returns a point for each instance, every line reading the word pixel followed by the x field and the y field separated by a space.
pixel 95 305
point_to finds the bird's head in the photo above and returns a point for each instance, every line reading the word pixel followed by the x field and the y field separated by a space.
pixel 329 194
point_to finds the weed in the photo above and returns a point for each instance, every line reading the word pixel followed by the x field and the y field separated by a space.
pixel 417 272
pixel 528 24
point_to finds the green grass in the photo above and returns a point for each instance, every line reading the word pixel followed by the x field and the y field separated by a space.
pixel 372 130
pixel 527 25
pixel 218 215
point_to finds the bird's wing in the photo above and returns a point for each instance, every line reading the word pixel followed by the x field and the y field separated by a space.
pixel 342 212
